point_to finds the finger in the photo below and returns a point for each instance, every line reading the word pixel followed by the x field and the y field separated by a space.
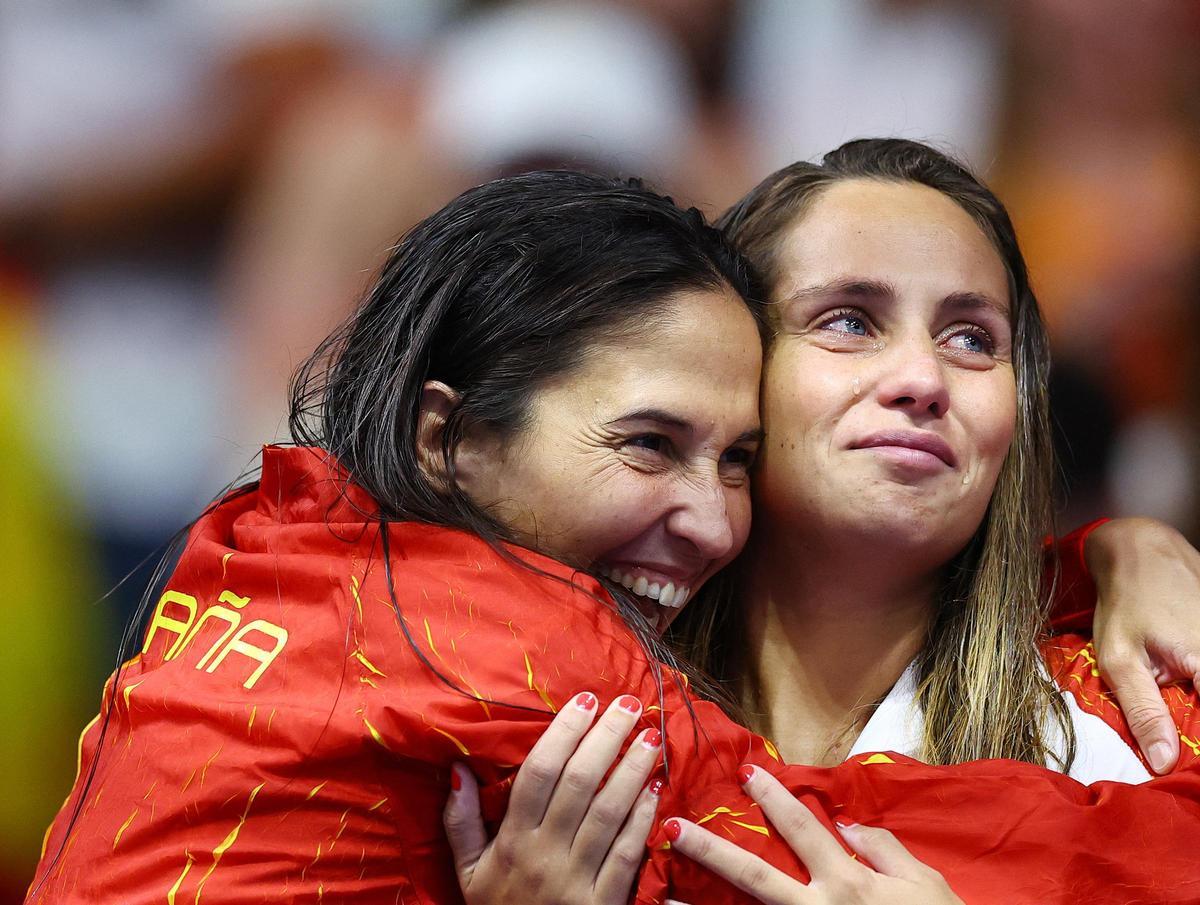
pixel 464 823
pixel 883 851
pixel 1149 719
pixel 588 765
pixel 749 873
pixel 535 782
pixel 810 840
pixel 620 868
pixel 610 809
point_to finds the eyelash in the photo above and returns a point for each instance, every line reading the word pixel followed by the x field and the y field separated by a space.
pixel 843 314
pixel 978 332
pixel 664 442
pixel 667 449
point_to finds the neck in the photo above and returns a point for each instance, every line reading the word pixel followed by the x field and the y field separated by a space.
pixel 828 633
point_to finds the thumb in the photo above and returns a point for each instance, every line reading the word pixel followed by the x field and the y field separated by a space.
pixel 883 851
pixel 1141 701
pixel 464 823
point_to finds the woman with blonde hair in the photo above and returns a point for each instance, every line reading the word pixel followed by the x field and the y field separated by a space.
pixel 888 612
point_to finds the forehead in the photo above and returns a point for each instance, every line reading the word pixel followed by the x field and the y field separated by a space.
pixel 901 233
pixel 702 360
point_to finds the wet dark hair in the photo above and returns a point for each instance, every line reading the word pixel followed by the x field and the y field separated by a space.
pixel 505 288
pixel 508 286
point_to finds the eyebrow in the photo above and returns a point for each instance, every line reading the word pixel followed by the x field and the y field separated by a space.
pixel 666 419
pixel 871 289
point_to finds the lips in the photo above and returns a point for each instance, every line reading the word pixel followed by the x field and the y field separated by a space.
pixel 646 583
pixel 920 441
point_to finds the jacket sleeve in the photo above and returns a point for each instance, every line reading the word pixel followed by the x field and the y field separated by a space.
pixel 1066 574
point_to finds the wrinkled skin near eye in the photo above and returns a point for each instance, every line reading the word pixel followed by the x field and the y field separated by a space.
pixel 636 463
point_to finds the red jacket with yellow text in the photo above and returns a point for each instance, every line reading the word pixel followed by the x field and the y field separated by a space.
pixel 280 738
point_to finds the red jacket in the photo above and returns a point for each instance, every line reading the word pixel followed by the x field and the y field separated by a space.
pixel 280 739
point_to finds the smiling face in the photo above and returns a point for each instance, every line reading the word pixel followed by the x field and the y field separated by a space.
pixel 634 465
pixel 889 398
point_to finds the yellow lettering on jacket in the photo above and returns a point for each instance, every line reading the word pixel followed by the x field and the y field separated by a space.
pixel 170 624
pixel 264 657
pixel 187 629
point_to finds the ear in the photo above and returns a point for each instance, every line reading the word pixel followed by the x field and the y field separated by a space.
pixel 437 402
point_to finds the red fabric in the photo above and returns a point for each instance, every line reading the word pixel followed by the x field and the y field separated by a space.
pixel 1067 574
pixel 324 780
pixel 999 831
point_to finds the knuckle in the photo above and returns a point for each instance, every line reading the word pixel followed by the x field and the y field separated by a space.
pixel 506 854
pixel 1116 658
pixel 608 813
pixel 539 770
pixel 753 875
pixel 797 821
pixel 1142 715
pixel 877 834
pixel 851 885
pixel 453 822
pixel 617 723
pixel 626 857
pixel 700 844
pixel 577 780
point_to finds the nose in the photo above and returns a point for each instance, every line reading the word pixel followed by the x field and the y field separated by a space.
pixel 914 379
pixel 701 517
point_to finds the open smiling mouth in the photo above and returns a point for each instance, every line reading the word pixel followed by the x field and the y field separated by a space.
pixel 667 594
pixel 655 593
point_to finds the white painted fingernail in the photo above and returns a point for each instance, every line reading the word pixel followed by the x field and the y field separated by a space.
pixel 1160 755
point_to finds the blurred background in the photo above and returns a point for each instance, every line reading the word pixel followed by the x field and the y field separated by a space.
pixel 193 193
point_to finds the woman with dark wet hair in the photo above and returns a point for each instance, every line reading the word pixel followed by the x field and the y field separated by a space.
pixel 554 380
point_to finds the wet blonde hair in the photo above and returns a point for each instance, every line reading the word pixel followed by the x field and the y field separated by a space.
pixel 981 683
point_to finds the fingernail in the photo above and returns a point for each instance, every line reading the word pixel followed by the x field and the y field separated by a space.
pixel 585 701
pixel 1160 756
pixel 652 738
pixel 629 703
pixel 844 826
pixel 745 773
pixel 455 779
pixel 656 787
pixel 673 828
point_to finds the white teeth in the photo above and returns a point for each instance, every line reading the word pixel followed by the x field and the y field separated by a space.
pixel 666 595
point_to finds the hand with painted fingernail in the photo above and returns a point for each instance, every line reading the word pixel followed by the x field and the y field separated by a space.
pixel 1147 624
pixel 565 838
pixel 893 876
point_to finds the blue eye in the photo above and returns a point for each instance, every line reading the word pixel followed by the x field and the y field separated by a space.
pixel 974 340
pixel 846 322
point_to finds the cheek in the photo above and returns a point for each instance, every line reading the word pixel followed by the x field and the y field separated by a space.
pixel 994 424
pixel 802 398
pixel 739 508
pixel 619 509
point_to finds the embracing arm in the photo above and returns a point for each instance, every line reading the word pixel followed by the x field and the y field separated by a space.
pixel 1142 578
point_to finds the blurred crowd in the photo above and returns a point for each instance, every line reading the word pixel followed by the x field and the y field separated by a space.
pixel 193 193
